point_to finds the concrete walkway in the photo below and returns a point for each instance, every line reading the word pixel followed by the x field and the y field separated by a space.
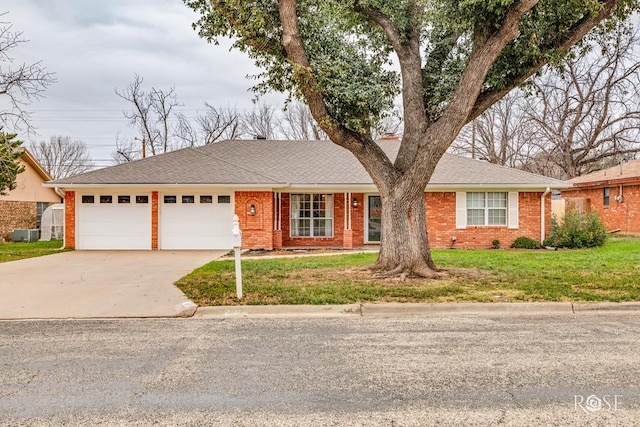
pixel 97 284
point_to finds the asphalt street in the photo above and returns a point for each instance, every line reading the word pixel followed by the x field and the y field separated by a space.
pixel 355 371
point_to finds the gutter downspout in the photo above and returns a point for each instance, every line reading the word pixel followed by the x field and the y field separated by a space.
pixel 542 213
pixel 59 192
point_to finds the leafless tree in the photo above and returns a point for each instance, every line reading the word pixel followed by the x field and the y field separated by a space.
pixel 575 118
pixel 391 124
pixel 259 122
pixel 151 114
pixel 214 125
pixel 20 84
pixel 62 157
pixel 500 135
pixel 297 123
pixel 126 151
pixel 591 112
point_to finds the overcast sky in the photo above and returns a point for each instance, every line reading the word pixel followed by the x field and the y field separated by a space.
pixel 96 46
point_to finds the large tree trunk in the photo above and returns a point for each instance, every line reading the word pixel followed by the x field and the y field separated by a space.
pixel 404 243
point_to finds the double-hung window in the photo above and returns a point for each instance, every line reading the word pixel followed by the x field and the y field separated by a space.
pixel 487 208
pixel 311 215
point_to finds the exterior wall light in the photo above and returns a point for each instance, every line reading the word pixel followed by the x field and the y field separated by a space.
pixel 355 203
pixel 252 210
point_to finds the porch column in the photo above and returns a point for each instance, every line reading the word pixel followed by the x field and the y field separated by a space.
pixel 347 239
pixel 277 220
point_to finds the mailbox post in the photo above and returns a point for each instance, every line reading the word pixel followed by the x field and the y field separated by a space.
pixel 237 244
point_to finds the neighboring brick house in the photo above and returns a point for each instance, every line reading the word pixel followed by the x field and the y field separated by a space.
pixel 290 194
pixel 614 193
pixel 23 206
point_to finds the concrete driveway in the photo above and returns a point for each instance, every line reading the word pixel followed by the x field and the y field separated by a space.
pixel 98 284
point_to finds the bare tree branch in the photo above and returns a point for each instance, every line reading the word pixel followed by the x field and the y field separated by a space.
pixel 152 113
pixel 62 157
pixel 20 84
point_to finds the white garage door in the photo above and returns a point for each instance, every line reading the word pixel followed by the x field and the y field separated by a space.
pixel 114 221
pixel 196 221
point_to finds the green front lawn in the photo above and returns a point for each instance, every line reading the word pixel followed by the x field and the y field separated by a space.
pixel 16 251
pixel 609 273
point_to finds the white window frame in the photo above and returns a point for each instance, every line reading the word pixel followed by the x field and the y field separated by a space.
pixel 329 212
pixel 511 210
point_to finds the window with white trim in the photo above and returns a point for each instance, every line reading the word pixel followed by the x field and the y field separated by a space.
pixel 488 208
pixel 311 215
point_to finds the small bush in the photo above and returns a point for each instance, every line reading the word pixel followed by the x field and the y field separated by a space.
pixel 578 230
pixel 495 244
pixel 525 243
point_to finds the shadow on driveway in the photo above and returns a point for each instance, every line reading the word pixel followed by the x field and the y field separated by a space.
pixel 98 284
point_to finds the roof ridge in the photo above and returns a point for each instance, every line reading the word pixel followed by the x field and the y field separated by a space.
pixel 197 149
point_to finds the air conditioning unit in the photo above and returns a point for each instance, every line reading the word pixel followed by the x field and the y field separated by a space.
pixel 25 235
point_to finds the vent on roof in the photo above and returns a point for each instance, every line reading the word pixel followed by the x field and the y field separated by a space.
pixel 261 136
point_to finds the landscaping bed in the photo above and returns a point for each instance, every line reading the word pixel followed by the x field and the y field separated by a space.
pixel 608 273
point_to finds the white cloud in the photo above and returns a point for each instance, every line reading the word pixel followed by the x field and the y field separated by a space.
pixel 94 47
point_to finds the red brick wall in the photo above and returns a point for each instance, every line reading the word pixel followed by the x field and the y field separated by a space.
pixel 15 215
pixel 70 219
pixel 441 222
pixel 154 220
pixel 257 230
pixel 624 216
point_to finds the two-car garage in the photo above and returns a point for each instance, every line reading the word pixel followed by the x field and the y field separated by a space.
pixel 124 220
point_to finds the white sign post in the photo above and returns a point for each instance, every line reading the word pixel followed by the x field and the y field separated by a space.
pixel 237 244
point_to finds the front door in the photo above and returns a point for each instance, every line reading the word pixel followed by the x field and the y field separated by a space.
pixel 374 218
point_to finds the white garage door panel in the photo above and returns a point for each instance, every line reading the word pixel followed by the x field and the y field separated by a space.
pixel 114 226
pixel 196 225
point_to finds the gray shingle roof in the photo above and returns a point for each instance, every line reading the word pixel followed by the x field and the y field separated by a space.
pixel 298 163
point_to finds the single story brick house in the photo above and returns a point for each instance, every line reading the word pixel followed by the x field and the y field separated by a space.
pixel 22 207
pixel 614 193
pixel 290 194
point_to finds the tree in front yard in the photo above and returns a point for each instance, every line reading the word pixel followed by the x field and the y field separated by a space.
pixel 455 60
pixel 9 166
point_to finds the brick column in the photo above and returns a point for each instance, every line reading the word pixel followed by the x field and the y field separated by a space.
pixel 347 239
pixel 154 220
pixel 70 219
pixel 277 239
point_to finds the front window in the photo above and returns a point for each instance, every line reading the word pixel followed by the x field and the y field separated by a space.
pixel 40 208
pixel 487 208
pixel 605 196
pixel 311 215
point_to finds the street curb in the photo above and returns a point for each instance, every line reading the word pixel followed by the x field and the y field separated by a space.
pixel 278 311
pixel 415 309
pixel 466 308
pixel 605 307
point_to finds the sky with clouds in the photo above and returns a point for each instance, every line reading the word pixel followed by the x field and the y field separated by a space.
pixel 96 46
